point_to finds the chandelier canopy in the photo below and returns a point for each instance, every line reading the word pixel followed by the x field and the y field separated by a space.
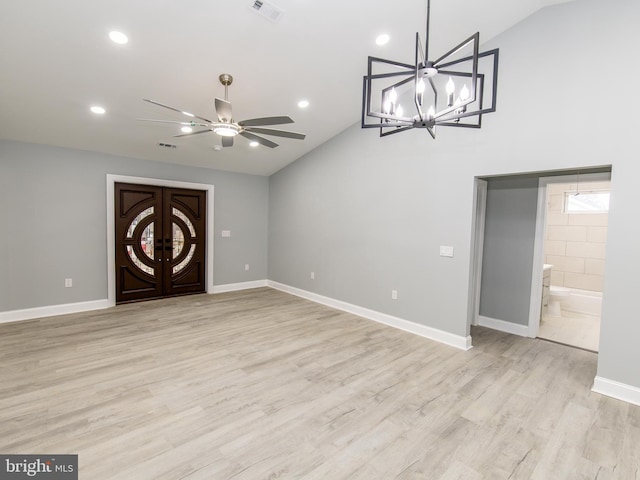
pixel 453 91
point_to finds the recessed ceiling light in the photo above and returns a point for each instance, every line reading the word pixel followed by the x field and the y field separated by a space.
pixel 253 144
pixel 98 110
pixel 382 39
pixel 186 129
pixel 118 37
pixel 303 103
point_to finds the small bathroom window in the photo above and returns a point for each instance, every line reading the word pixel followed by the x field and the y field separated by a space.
pixel 587 202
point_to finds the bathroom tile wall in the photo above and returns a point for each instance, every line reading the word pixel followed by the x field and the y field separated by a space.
pixel 575 243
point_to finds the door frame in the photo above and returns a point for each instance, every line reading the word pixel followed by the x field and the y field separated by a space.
pixel 111 256
pixel 477 249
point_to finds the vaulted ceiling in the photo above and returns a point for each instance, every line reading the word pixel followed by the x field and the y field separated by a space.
pixel 56 61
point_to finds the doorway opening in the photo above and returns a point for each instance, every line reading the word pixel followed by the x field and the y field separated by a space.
pixel 513 253
pixel 574 245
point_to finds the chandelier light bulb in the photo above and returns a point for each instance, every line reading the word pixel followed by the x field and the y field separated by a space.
pixel 393 96
pixel 464 93
pixel 420 90
pixel 386 105
pixel 451 88
pixel 431 113
pixel 399 111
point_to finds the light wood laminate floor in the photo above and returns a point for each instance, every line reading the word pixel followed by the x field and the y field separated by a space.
pixel 263 385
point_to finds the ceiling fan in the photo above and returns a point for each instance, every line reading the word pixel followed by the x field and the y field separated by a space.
pixel 226 127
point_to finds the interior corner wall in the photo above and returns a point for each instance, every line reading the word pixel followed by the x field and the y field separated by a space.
pixel 367 214
pixel 507 261
pixel 54 222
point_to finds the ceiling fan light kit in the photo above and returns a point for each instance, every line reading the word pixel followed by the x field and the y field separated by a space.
pixel 225 127
pixel 453 91
pixel 226 130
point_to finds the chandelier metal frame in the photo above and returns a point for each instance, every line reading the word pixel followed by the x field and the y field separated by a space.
pixel 470 104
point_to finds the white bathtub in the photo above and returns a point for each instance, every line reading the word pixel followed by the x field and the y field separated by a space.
pixel 582 301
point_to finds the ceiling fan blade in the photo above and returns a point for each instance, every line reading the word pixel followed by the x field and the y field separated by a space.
pixel 177 110
pixel 193 133
pixel 277 133
pixel 254 122
pixel 189 124
pixel 223 109
pixel 260 140
pixel 227 141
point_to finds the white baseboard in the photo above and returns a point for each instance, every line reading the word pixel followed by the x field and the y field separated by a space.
pixel 621 391
pixel 507 327
pixel 52 310
pixel 463 343
pixel 234 287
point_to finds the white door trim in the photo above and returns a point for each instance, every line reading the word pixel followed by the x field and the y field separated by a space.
pixel 111 257
pixel 477 249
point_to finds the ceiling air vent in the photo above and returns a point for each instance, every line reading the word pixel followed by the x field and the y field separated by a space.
pixel 267 10
pixel 167 145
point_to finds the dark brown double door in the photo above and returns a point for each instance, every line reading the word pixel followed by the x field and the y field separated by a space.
pixel 160 241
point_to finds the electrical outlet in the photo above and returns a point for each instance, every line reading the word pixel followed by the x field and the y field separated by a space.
pixel 246 267
pixel 313 275
pixel 68 282
pixel 394 294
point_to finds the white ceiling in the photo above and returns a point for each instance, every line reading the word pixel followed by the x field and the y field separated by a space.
pixel 56 60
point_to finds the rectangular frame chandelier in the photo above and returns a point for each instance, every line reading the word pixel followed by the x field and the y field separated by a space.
pixel 453 91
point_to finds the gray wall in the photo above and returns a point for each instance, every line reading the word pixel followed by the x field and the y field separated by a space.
pixel 53 211
pixel 507 261
pixel 368 213
pixel 368 220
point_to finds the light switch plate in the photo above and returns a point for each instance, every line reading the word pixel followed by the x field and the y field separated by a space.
pixel 226 233
pixel 446 251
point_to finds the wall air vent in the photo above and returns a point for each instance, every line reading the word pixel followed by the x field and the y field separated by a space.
pixel 267 10
pixel 167 145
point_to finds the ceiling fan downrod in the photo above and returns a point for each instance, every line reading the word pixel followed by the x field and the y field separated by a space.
pixel 226 80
